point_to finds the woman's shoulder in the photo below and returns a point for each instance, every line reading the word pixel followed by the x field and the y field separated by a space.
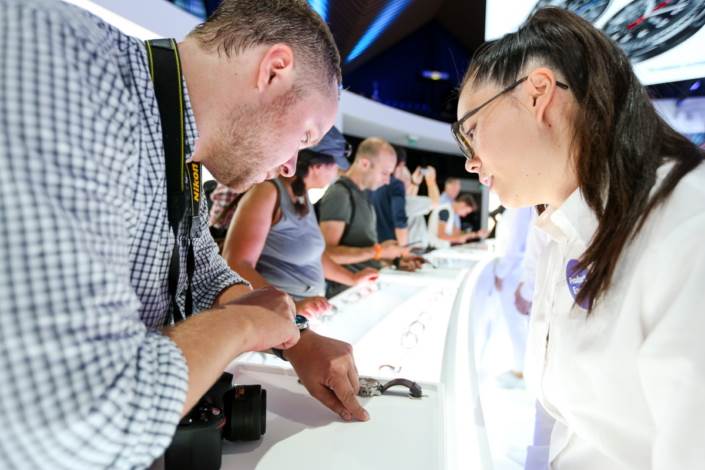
pixel 685 203
pixel 264 193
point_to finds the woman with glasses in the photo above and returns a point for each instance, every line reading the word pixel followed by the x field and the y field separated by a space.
pixel 554 115
pixel 274 238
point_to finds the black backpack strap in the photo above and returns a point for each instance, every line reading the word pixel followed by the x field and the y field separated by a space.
pixel 346 230
pixel 165 70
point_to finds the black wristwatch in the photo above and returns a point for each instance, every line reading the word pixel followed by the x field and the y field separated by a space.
pixel 302 324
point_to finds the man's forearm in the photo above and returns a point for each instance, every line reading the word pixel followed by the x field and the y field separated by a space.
pixel 350 254
pixel 433 192
pixel 456 237
pixel 209 341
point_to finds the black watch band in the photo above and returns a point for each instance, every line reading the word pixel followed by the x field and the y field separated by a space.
pixel 279 353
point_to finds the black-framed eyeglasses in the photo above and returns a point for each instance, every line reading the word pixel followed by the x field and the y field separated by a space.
pixel 457 127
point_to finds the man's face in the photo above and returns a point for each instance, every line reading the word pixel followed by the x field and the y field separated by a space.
pixel 452 188
pixel 321 176
pixel 381 169
pixel 260 142
pixel 462 209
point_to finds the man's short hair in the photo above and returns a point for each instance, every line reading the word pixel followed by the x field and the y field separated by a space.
pixel 371 147
pixel 467 199
pixel 237 25
pixel 451 180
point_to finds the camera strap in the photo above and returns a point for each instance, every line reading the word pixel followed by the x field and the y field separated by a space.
pixel 165 70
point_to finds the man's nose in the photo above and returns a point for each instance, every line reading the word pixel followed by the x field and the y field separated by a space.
pixel 288 169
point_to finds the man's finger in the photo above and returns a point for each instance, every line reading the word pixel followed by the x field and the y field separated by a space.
pixel 344 392
pixel 330 401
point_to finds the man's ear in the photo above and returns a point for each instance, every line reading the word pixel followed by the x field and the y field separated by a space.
pixel 541 84
pixel 276 69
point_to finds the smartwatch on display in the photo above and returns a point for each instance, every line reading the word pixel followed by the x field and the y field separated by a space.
pixel 301 324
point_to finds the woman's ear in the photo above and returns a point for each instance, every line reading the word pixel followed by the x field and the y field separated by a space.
pixel 541 84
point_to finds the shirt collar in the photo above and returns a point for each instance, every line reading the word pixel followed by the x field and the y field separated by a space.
pixel 573 220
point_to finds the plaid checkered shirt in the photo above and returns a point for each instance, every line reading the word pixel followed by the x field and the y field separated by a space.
pixel 86 378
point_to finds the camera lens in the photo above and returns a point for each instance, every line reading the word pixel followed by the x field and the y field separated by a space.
pixel 246 410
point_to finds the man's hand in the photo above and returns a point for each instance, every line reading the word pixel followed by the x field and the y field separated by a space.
pixel 478 235
pixel 311 307
pixel 411 263
pixel 272 323
pixel 256 321
pixel 367 274
pixel 430 175
pixel 417 176
pixel 327 369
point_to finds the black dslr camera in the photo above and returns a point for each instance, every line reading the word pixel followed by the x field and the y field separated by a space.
pixel 234 413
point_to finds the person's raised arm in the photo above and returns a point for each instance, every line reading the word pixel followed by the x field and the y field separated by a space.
pixel 432 186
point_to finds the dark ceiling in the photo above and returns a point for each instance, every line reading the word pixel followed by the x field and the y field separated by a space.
pixel 387 45
pixel 351 20
pixel 384 22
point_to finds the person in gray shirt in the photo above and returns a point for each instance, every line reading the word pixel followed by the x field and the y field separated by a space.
pixel 274 238
pixel 347 217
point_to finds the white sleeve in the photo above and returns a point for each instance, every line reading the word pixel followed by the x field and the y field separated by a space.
pixel 671 361
pixel 418 205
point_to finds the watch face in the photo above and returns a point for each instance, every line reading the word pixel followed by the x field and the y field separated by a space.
pixel 589 10
pixel 301 322
pixel 646 28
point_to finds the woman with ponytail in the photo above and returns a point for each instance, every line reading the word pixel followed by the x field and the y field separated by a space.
pixel 274 238
pixel 554 116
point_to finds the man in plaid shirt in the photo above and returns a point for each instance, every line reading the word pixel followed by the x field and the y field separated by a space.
pixel 89 377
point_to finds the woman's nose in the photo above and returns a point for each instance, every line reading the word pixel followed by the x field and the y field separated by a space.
pixel 472 165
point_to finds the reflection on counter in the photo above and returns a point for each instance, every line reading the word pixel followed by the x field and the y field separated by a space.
pixel 404 325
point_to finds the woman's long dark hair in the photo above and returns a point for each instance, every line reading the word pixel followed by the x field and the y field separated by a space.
pixel 305 161
pixel 619 140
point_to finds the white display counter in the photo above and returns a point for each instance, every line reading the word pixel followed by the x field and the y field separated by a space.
pixel 411 325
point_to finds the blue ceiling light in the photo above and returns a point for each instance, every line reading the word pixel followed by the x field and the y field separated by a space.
pixel 383 20
pixel 320 7
pixel 695 86
pixel 435 75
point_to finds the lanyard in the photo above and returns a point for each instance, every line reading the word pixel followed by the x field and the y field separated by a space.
pixel 165 70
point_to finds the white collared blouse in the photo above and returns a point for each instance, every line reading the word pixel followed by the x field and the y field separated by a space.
pixel 626 384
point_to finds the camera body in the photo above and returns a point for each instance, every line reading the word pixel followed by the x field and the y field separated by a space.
pixel 235 413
